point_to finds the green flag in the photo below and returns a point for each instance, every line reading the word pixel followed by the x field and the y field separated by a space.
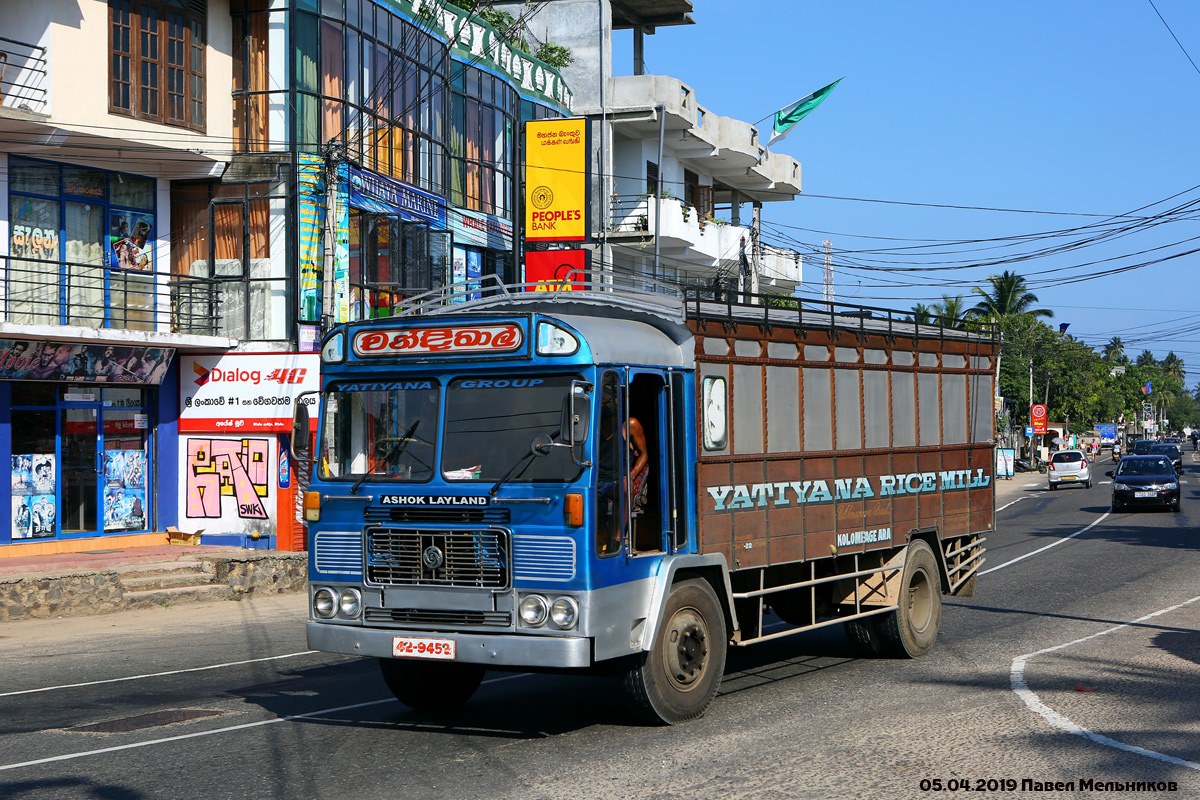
pixel 786 118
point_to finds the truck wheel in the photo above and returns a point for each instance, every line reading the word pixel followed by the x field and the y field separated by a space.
pixel 912 630
pixel 677 679
pixel 431 685
pixel 864 637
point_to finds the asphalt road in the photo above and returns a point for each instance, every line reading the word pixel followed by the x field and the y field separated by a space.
pixel 1077 660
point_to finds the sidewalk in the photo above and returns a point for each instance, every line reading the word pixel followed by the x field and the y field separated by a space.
pixel 122 578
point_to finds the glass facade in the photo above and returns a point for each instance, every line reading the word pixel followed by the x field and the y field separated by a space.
pixel 81 246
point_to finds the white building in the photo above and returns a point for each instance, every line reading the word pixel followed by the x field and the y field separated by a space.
pixel 688 215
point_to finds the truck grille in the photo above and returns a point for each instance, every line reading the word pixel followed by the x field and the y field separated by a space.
pixel 417 616
pixel 436 516
pixel 475 559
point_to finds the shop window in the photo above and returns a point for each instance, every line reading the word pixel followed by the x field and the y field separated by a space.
pixel 157 60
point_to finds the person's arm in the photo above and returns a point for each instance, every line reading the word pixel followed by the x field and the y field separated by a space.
pixel 637 439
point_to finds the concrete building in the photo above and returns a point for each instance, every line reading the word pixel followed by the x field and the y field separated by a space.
pixel 677 187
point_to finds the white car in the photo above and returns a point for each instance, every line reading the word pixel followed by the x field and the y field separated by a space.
pixel 1069 466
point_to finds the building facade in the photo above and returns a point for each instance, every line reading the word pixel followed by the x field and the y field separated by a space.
pixel 677 189
pixel 192 190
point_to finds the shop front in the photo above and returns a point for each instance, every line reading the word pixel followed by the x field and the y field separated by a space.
pixel 82 423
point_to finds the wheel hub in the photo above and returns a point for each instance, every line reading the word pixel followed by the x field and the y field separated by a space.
pixel 686 645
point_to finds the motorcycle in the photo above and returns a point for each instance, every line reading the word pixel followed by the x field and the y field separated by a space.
pixel 1031 464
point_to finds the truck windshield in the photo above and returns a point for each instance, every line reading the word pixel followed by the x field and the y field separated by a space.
pixel 491 424
pixel 384 429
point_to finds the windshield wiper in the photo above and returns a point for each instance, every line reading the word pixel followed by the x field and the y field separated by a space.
pixel 540 446
pixel 396 451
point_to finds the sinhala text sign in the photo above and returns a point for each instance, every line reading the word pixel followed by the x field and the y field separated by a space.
pixel 244 392
pixel 556 180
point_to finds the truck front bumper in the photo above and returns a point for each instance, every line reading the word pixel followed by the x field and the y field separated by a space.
pixel 498 650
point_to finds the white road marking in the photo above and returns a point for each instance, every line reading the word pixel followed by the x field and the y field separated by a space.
pixel 1022 690
pixel 229 729
pixel 158 674
pixel 1047 547
pixel 1014 502
pixel 1033 484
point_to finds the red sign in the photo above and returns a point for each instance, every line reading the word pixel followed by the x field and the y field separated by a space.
pixel 556 270
pixel 1037 415
pixel 425 341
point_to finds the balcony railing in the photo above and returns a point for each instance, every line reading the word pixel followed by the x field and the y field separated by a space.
pixel 24 76
pixel 42 292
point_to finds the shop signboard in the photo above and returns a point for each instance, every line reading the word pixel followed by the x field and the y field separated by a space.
pixel 73 362
pixel 1037 415
pixel 1005 462
pixel 556 180
pixel 476 229
pixel 556 270
pixel 244 392
pixel 371 191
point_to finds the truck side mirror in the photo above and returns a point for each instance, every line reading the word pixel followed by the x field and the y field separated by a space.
pixel 301 437
pixel 576 418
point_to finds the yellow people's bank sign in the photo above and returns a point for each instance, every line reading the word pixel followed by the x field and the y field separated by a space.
pixel 556 180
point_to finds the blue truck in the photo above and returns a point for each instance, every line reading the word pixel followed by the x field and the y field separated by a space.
pixel 610 480
pixel 1107 433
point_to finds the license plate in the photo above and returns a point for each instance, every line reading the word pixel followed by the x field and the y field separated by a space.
pixel 422 647
pixel 1068 477
pixel 1144 494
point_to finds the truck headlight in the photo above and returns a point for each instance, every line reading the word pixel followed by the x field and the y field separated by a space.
pixel 324 603
pixel 350 603
pixel 565 612
pixel 534 609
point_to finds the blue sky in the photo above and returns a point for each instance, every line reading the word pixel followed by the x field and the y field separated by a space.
pixel 1088 109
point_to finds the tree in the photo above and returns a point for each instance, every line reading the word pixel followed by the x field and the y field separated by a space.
pixel 1009 295
pixel 921 314
pixel 1114 351
pixel 950 311
pixel 1146 359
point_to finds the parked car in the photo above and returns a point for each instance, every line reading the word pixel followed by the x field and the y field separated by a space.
pixel 1142 447
pixel 1069 466
pixel 1144 481
pixel 1172 452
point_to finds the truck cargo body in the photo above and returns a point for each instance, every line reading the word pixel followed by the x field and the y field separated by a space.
pixel 472 505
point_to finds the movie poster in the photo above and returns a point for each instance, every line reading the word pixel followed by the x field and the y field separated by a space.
pixel 42 514
pixel 33 509
pixel 22 527
pixel 129 241
pixel 22 475
pixel 124 490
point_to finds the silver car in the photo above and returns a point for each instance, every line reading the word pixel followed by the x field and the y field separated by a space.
pixel 1069 466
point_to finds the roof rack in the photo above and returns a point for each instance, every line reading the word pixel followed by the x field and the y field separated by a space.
pixel 670 301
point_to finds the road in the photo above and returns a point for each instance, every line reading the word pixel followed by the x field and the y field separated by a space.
pixel 1077 660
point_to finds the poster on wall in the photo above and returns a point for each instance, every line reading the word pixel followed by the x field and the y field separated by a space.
pixel 124 490
pixel 42 515
pixel 32 490
pixel 312 234
pixel 129 241
pixel 474 273
pixel 22 475
pixel 83 363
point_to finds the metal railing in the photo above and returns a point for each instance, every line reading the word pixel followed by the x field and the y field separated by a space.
pixel 50 292
pixel 24 76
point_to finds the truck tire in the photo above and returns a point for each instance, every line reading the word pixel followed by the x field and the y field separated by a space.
pixel 864 638
pixel 677 679
pixel 431 685
pixel 911 631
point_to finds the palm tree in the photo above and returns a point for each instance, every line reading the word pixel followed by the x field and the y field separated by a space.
pixel 1172 366
pixel 950 311
pixel 1146 359
pixel 921 313
pixel 1009 295
pixel 1114 351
